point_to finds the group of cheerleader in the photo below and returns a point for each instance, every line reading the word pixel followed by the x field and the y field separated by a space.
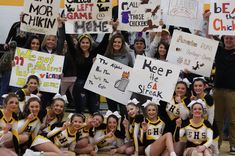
pixel 183 126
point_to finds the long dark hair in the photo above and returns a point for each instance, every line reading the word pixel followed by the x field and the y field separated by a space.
pixel 29 41
pixel 166 45
pixel 26 110
pixel 80 55
pixel 110 51
pixel 29 78
pixel 60 116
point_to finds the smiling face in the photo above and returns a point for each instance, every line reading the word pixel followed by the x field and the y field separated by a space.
pixel 112 124
pixel 229 41
pixel 77 122
pixel 162 50
pixel 197 110
pixel 51 42
pixel 12 104
pixel 132 110
pixel 35 44
pixel 139 47
pixel 151 111
pixel 180 89
pixel 34 107
pixel 117 44
pixel 58 106
pixel 32 85
pixel 98 120
pixel 85 44
pixel 198 87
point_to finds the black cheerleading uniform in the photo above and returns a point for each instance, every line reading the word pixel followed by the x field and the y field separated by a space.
pixel 173 110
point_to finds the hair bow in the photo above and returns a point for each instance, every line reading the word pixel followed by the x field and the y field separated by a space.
pixel 134 101
pixel 4 96
pixel 199 78
pixel 108 113
pixel 58 96
pixel 31 96
pixel 186 81
pixel 200 101
pixel 153 101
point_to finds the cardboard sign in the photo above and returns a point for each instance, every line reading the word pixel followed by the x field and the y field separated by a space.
pixel 222 18
pixel 153 78
pixel 139 15
pixel 48 67
pixel 110 79
pixel 192 52
pixel 90 16
pixel 40 16
pixel 183 13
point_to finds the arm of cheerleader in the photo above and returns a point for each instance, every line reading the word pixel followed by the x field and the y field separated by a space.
pixel 54 132
pixel 184 111
pixel 36 131
pixel 211 111
pixel 135 136
pixel 15 135
pixel 209 137
pixel 99 136
pixel 22 127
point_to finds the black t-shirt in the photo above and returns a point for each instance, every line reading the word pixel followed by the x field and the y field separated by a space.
pixel 225 68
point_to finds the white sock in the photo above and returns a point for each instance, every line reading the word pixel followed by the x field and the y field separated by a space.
pixel 172 154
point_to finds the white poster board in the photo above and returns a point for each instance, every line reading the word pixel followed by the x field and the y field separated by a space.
pixel 40 16
pixel 48 67
pixel 192 52
pixel 139 15
pixel 222 18
pixel 110 79
pixel 183 13
pixel 92 16
pixel 153 78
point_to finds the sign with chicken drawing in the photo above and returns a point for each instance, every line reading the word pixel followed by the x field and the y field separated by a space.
pixel 191 52
pixel 110 79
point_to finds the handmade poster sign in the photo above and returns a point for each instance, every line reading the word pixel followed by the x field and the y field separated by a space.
pixel 139 15
pixel 192 52
pixel 48 67
pixel 222 18
pixel 183 13
pixel 40 16
pixel 90 16
pixel 153 78
pixel 110 79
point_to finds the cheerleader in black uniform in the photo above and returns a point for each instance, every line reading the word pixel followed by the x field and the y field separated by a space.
pixel 31 87
pixel 176 110
pixel 83 144
pixel 197 131
pixel 154 134
pixel 110 137
pixel 52 114
pixel 29 125
pixel 9 122
pixel 199 86
pixel 133 145
pixel 61 140
pixel 177 107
